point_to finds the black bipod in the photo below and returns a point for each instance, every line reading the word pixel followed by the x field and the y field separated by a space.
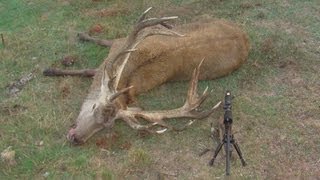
pixel 228 138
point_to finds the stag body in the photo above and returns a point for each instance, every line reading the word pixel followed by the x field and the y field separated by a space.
pixel 135 66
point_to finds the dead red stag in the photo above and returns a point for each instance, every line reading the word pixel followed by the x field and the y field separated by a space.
pixel 137 64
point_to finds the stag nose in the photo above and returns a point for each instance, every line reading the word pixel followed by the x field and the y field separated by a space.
pixel 71 136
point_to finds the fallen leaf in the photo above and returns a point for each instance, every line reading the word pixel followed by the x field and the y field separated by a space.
pixel 8 156
pixel 68 60
pixel 98 28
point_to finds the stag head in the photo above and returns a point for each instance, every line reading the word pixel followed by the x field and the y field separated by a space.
pixel 96 114
pixel 102 110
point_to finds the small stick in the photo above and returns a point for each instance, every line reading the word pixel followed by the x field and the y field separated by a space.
pixel 60 72
pixel 2 39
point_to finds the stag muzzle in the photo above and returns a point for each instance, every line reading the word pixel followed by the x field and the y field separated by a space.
pixel 80 133
pixel 71 136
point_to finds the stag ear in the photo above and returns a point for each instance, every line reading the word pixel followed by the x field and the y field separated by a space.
pixel 110 84
pixel 104 86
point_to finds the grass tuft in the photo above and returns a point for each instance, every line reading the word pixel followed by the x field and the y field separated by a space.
pixel 138 158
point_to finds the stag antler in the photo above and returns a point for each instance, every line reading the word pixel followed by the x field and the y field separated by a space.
pixel 135 37
pixel 189 110
pixel 156 118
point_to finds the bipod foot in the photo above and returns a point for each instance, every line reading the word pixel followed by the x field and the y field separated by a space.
pixel 216 152
pixel 236 146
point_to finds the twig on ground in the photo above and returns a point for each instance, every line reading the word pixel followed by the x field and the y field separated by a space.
pixel 168 173
pixel 2 39
pixel 61 72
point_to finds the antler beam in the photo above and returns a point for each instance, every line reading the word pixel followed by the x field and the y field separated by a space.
pixel 188 110
pixel 135 37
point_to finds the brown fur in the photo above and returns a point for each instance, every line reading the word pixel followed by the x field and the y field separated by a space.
pixel 160 59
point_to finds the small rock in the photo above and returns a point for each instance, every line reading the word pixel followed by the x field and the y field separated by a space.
pixel 8 156
pixel 46 174
pixel 39 143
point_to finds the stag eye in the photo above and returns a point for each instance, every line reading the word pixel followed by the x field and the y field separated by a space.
pixel 93 107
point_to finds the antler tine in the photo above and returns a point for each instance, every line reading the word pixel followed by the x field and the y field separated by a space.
pixel 196 102
pixel 110 63
pixel 144 23
pixel 193 99
pixel 150 22
pixel 132 122
pixel 122 91
pixel 135 38
pixel 204 114
pixel 178 128
pixel 103 88
pixel 143 15
pixel 164 32
pixel 192 92
pixel 168 26
pixel 124 52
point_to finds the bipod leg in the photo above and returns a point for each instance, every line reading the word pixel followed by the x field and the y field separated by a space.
pixel 216 152
pixel 236 146
pixel 228 152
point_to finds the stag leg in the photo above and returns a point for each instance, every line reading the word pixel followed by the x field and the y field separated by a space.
pixel 102 42
pixel 61 72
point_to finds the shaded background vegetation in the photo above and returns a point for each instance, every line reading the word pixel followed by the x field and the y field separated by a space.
pixel 276 109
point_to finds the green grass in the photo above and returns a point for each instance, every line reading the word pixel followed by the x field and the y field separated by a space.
pixel 276 109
